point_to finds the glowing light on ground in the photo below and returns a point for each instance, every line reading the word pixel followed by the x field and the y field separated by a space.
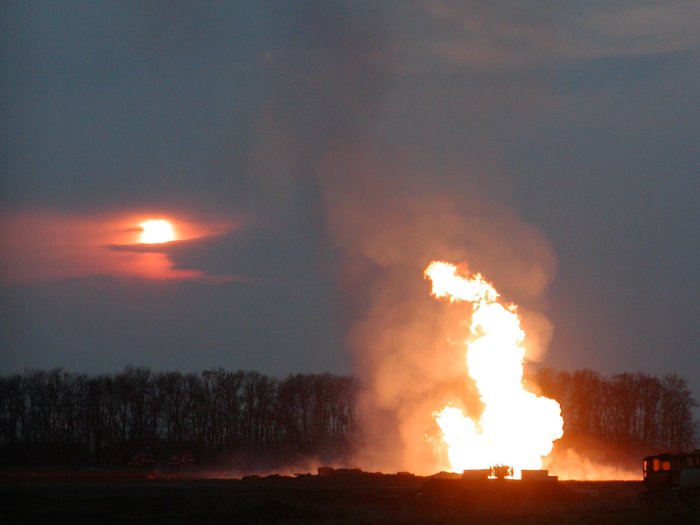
pixel 156 231
pixel 516 427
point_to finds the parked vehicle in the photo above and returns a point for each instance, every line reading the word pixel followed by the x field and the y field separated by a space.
pixel 669 473
pixel 182 459
pixel 142 459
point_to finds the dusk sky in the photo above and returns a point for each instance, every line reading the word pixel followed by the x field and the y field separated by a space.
pixel 305 151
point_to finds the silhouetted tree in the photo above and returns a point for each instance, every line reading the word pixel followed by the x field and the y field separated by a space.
pixel 56 416
pixel 626 410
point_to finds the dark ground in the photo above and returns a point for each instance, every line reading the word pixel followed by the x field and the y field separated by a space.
pixel 120 497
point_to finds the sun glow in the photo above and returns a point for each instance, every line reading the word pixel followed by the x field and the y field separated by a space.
pixel 156 231
pixel 516 428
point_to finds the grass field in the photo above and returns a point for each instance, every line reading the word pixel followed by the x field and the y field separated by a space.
pixel 368 499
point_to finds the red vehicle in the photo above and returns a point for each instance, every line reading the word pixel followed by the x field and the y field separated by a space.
pixel 181 459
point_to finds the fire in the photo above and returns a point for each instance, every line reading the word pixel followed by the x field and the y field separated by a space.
pixel 516 427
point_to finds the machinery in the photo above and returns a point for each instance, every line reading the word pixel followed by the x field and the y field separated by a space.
pixel 142 459
pixel 666 473
pixel 182 459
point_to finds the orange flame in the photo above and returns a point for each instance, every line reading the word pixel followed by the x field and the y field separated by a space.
pixel 516 427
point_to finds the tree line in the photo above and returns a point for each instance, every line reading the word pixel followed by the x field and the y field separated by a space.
pixel 250 419
pixel 59 417
pixel 632 411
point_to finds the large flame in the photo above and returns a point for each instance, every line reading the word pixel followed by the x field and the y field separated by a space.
pixel 516 428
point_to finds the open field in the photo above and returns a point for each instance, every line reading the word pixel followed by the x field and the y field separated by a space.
pixel 118 497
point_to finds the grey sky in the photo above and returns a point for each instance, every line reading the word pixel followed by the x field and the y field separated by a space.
pixel 580 119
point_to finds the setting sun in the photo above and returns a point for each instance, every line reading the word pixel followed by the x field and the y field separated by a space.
pixel 157 231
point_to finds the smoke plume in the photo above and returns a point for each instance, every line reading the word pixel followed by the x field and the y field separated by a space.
pixel 387 223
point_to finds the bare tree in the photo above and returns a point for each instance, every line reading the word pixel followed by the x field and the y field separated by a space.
pixel 59 417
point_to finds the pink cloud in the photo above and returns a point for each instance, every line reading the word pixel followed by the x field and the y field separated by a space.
pixel 40 246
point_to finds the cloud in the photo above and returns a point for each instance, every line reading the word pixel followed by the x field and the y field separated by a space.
pixel 49 245
pixel 488 36
pixel 648 28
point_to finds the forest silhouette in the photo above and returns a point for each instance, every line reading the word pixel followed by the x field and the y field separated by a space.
pixel 249 420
